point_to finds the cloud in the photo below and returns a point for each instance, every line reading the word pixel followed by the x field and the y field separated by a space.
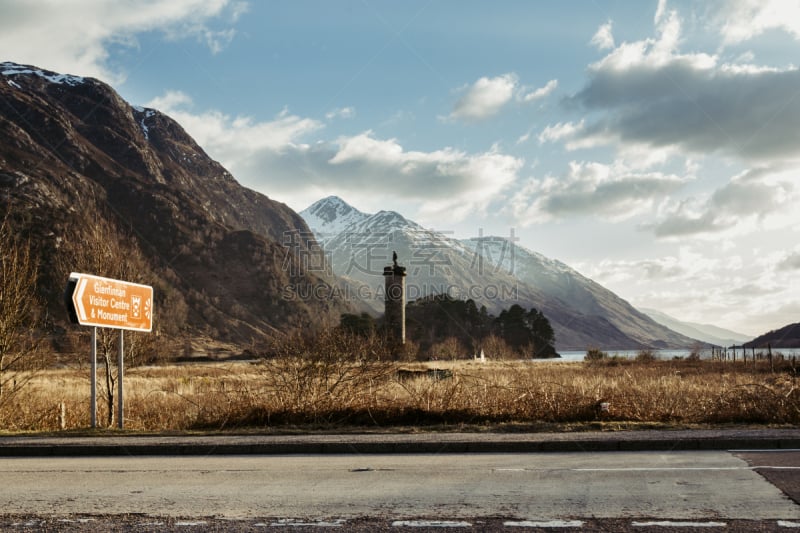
pixel 592 189
pixel 541 92
pixel 488 96
pixel 648 93
pixel 485 97
pixel 276 157
pixel 742 20
pixel 661 9
pixel 445 181
pixel 341 112
pixel 790 263
pixel 562 130
pixel 753 195
pixel 74 37
pixel 603 39
pixel 234 136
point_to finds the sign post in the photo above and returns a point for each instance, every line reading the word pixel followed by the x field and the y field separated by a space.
pixel 94 377
pixel 108 303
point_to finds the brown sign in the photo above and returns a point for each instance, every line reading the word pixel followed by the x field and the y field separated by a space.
pixel 110 303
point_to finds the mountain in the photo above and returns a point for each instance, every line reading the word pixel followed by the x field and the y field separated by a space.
pixel 330 216
pixel 557 280
pixel 785 337
pixel 96 184
pixel 702 332
pixel 493 272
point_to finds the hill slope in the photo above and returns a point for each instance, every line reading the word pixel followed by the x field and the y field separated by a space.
pixel 702 332
pixel 785 337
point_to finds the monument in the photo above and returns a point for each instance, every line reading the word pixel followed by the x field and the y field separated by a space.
pixel 395 301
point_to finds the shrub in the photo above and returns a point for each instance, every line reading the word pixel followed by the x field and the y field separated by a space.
pixel 595 354
pixel 646 356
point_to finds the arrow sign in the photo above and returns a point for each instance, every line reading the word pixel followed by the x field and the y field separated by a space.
pixel 109 303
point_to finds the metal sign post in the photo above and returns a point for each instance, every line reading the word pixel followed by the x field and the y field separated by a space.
pixel 109 303
pixel 120 374
pixel 94 378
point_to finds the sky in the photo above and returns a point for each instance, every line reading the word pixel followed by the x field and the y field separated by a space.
pixel 654 146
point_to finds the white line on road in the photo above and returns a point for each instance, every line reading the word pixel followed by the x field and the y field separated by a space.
pixel 781 450
pixel 291 522
pixel 544 523
pixel 787 523
pixel 663 469
pixel 429 523
pixel 685 468
pixel 669 523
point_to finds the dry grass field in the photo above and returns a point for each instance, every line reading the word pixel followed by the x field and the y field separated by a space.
pixel 300 393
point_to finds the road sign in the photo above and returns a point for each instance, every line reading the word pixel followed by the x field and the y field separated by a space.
pixel 109 303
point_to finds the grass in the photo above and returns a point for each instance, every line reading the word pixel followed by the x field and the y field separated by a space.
pixel 329 393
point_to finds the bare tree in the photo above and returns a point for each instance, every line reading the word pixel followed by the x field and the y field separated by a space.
pixel 19 313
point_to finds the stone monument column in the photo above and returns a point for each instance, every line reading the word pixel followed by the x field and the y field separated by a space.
pixel 395 301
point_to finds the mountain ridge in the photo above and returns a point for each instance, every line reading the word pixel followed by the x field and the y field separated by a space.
pixel 704 332
pixel 786 337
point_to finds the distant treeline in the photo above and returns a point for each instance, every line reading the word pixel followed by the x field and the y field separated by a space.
pixel 440 326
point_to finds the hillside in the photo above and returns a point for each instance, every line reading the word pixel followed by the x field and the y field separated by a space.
pixel 785 337
pixel 703 332
pixel 98 185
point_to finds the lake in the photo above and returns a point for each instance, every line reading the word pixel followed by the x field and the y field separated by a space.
pixel 568 355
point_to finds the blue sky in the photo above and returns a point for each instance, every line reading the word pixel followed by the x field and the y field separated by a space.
pixel 652 145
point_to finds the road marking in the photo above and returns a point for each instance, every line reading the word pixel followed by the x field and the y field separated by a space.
pixel 781 450
pixel 666 469
pixel 189 523
pixel 787 523
pixel 291 522
pixel 545 523
pixel 685 469
pixel 669 523
pixel 429 523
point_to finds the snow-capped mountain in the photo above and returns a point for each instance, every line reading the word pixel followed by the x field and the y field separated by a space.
pixel 492 271
pixel 330 216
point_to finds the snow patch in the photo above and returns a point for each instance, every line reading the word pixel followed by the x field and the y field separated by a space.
pixel 147 114
pixel 12 69
pixel 330 216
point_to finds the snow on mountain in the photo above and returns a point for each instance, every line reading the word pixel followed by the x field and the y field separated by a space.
pixel 13 69
pixel 330 216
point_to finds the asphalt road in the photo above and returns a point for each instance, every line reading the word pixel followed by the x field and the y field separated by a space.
pixel 587 491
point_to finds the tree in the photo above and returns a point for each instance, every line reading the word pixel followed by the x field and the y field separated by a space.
pixel 528 332
pixel 363 325
pixel 19 310
pixel 542 334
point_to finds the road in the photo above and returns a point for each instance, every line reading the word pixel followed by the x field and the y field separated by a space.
pixel 702 486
